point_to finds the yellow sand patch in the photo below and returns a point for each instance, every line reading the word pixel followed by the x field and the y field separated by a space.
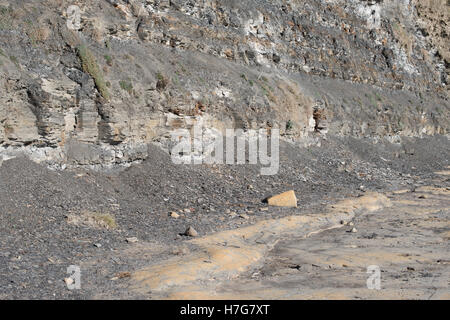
pixel 320 294
pixel 443 173
pixel 403 191
pixel 421 211
pixel 226 254
pixel 434 190
pixel 379 257
pixel 410 202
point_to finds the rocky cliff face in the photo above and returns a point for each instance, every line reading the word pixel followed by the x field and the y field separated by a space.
pixel 132 71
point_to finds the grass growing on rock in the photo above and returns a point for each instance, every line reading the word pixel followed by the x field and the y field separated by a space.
pixel 5 18
pixel 162 82
pixel 127 86
pixel 15 61
pixel 109 60
pixel 91 67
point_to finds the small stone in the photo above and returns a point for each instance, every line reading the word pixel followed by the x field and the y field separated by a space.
pixel 228 211
pixel 122 275
pixel 264 209
pixel 351 224
pixel 353 230
pixel 68 281
pixel 244 216
pixel 174 215
pixel 98 245
pixel 250 187
pixel 191 232
pixel 286 199
pixel 187 210
pixel 228 53
pixel 132 240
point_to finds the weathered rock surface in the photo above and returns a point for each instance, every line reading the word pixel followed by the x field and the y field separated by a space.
pixel 135 70
pixel 285 199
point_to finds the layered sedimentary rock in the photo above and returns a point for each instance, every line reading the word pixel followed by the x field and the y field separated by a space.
pixel 133 71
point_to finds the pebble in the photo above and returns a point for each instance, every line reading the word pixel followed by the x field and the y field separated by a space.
pixel 244 216
pixel 353 230
pixel 122 275
pixel 68 281
pixel 191 232
pixel 174 215
pixel 132 240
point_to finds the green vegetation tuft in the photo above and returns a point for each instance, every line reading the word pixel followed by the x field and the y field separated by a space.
pixel 15 61
pixel 264 89
pixel 5 18
pixel 108 60
pixel 289 125
pixel 159 76
pixel 127 86
pixel 250 81
pixel 162 82
pixel 106 220
pixel 91 67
